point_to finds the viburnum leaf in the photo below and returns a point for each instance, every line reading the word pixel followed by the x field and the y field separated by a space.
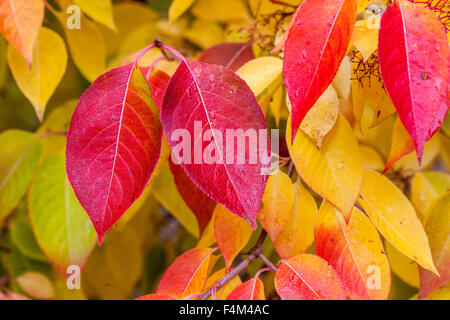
pixel 252 289
pixel 298 234
pixel 438 231
pixel 201 95
pixel 231 232
pixel 395 218
pixel 335 170
pixel 308 277
pixel 355 251
pixel 414 60
pixel 186 275
pixel 60 224
pixel 20 22
pixel 232 55
pixel 200 204
pixel 315 46
pixel 113 145
pixel 277 203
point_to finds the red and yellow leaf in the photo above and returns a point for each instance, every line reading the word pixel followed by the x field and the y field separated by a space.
pixel 252 289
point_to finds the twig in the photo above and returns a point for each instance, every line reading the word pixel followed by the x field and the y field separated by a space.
pixel 254 253
pixel 267 262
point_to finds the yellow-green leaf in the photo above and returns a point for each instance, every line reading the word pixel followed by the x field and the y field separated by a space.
pixel 19 154
pixel 404 267
pixel 395 218
pixel 49 65
pixel 62 227
pixel 335 170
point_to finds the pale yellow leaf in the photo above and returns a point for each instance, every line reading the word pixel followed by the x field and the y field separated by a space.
pixel 36 285
pixel 99 10
pixel 395 218
pixel 335 170
pixel 49 65
pixel 365 36
pixel 220 10
pixel 205 34
pixel 371 159
pixel 259 73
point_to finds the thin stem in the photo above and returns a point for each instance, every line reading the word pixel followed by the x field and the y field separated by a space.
pixel 54 133
pixel 255 252
pixel 268 263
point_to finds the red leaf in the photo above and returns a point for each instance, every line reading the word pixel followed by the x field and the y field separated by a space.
pixel 232 55
pixel 308 277
pixel 315 46
pixel 252 289
pixel 155 297
pixel 158 83
pixel 201 95
pixel 186 275
pixel 113 145
pixel 20 22
pixel 197 201
pixel 414 61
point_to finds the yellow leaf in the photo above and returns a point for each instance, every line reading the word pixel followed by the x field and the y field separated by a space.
pixel 365 36
pixel 298 234
pixel 259 73
pixel 277 203
pixel 371 159
pixel 342 82
pixel 426 188
pixel 439 294
pixel 223 292
pixel 178 7
pixel 208 238
pixel 87 47
pixel 99 10
pixel 49 65
pixel 220 10
pixel 334 171
pixel 266 7
pixel 401 144
pixel 321 118
pixel 36 285
pixel 232 233
pixel 438 231
pixel 395 218
pixel 276 104
pixel 363 4
pixel 205 34
pixel 404 267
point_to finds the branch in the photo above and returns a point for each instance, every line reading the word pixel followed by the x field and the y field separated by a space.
pixel 254 253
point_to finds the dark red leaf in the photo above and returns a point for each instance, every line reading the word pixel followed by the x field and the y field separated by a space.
pixel 212 97
pixel 315 46
pixel 113 145
pixel 200 204
pixel 232 55
pixel 414 61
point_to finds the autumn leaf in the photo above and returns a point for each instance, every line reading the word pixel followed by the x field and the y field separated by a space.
pixel 308 277
pixel 232 55
pixel 186 275
pixel 252 289
pixel 111 158
pixel 414 62
pixel 278 200
pixel 20 22
pixel 153 296
pixel 395 218
pixel 99 10
pixel 438 231
pixel 220 10
pixel 203 95
pixel 355 251
pixel 231 233
pixel 178 7
pixel 314 49
pixel 401 145
pixel 200 204
pixel 49 65
pixel 298 234
pixel 335 170
pixel 73 237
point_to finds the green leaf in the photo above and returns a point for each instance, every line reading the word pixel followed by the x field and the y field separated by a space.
pixel 19 154
pixel 23 238
pixel 62 227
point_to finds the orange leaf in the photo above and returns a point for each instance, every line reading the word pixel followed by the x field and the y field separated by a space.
pixel 155 297
pixel 308 277
pixel 186 275
pixel 355 251
pixel 232 233
pixel 20 22
pixel 252 289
